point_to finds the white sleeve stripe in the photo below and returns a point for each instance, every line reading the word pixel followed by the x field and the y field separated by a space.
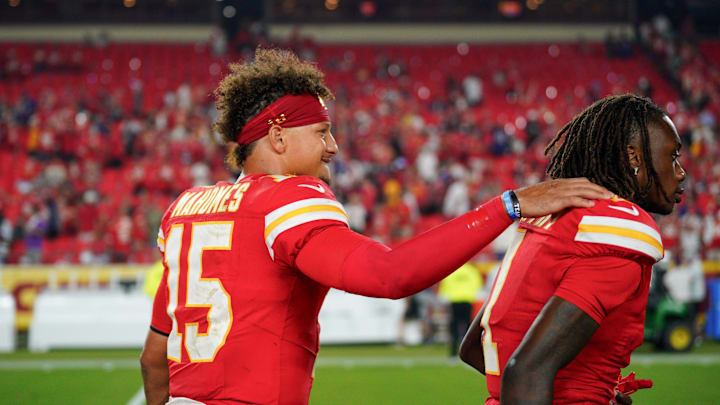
pixel 285 209
pixel 299 220
pixel 622 223
pixel 621 241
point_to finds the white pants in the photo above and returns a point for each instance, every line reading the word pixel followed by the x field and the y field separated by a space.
pixel 183 401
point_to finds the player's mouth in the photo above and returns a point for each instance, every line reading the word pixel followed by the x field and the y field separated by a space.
pixel 327 160
pixel 678 195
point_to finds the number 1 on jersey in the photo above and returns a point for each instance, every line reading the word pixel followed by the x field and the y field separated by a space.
pixel 201 292
pixel 490 351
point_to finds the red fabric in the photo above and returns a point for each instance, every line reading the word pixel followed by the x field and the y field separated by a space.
pixel 277 283
pixel 343 259
pixel 160 319
pixel 629 385
pixel 599 285
pixel 288 112
pixel 272 342
pixel 608 282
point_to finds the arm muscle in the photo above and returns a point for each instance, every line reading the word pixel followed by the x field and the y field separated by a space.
pixel 558 334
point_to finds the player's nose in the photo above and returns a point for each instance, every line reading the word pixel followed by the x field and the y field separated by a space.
pixel 681 174
pixel 331 147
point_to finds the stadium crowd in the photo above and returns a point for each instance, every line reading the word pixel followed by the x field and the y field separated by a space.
pixel 97 139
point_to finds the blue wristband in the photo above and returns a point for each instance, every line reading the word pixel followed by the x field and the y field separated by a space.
pixel 512 205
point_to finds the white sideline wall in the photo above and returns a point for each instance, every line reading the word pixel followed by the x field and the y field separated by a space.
pixel 350 318
pixel 7 322
pixel 108 318
pixel 89 319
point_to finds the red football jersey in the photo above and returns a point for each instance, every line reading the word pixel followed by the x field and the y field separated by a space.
pixel 241 320
pixel 599 259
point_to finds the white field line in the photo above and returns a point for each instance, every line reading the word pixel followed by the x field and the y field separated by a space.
pixel 70 364
pixel 138 398
pixel 348 362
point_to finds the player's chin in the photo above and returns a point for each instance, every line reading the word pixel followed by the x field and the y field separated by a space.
pixel 664 209
pixel 325 176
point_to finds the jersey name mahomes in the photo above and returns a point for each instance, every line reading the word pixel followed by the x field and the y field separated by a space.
pixel 210 200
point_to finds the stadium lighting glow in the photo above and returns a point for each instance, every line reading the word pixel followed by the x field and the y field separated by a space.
pixel 367 8
pixel 510 8
pixel 129 3
pixel 331 4
pixel 532 4
pixel 13 3
pixel 551 92
pixel 229 11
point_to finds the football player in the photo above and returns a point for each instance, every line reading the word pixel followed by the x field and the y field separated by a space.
pixel 568 305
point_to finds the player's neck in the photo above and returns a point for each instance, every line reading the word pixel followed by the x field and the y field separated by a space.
pixel 263 163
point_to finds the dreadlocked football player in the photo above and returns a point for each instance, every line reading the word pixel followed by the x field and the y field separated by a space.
pixel 568 305
pixel 248 264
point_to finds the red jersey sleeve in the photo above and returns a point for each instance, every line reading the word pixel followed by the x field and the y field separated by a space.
pixel 617 227
pixel 161 321
pixel 597 285
pixel 613 241
pixel 301 206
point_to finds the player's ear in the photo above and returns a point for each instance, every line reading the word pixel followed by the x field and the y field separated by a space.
pixel 634 156
pixel 277 139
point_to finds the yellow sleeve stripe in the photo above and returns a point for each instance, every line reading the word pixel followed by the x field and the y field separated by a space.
pixel 620 232
pixel 298 213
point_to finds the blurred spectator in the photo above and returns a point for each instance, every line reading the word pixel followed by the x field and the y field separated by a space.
pixel 6 231
pixel 35 229
pixel 619 46
pixel 686 282
pixel 711 234
pixel 457 197
pixel 357 213
pixel 460 289
pixel 644 88
pixel 472 89
pixel 690 237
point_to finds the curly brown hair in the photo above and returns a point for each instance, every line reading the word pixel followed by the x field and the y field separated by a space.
pixel 252 86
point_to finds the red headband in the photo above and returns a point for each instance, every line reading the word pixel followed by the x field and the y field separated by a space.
pixel 288 112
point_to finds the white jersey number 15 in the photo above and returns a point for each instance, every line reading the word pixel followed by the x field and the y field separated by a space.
pixel 201 292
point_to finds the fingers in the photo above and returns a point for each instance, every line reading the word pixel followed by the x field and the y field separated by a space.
pixel 555 195
pixel 580 202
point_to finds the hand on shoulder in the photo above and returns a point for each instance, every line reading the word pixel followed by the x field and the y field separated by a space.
pixel 552 196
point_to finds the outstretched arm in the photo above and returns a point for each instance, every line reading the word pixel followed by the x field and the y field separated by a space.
pixel 340 258
pixel 471 351
pixel 558 334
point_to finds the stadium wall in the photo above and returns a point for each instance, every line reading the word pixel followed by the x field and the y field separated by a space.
pixel 326 33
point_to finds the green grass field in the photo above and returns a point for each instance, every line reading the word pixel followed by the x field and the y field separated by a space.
pixel 349 375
